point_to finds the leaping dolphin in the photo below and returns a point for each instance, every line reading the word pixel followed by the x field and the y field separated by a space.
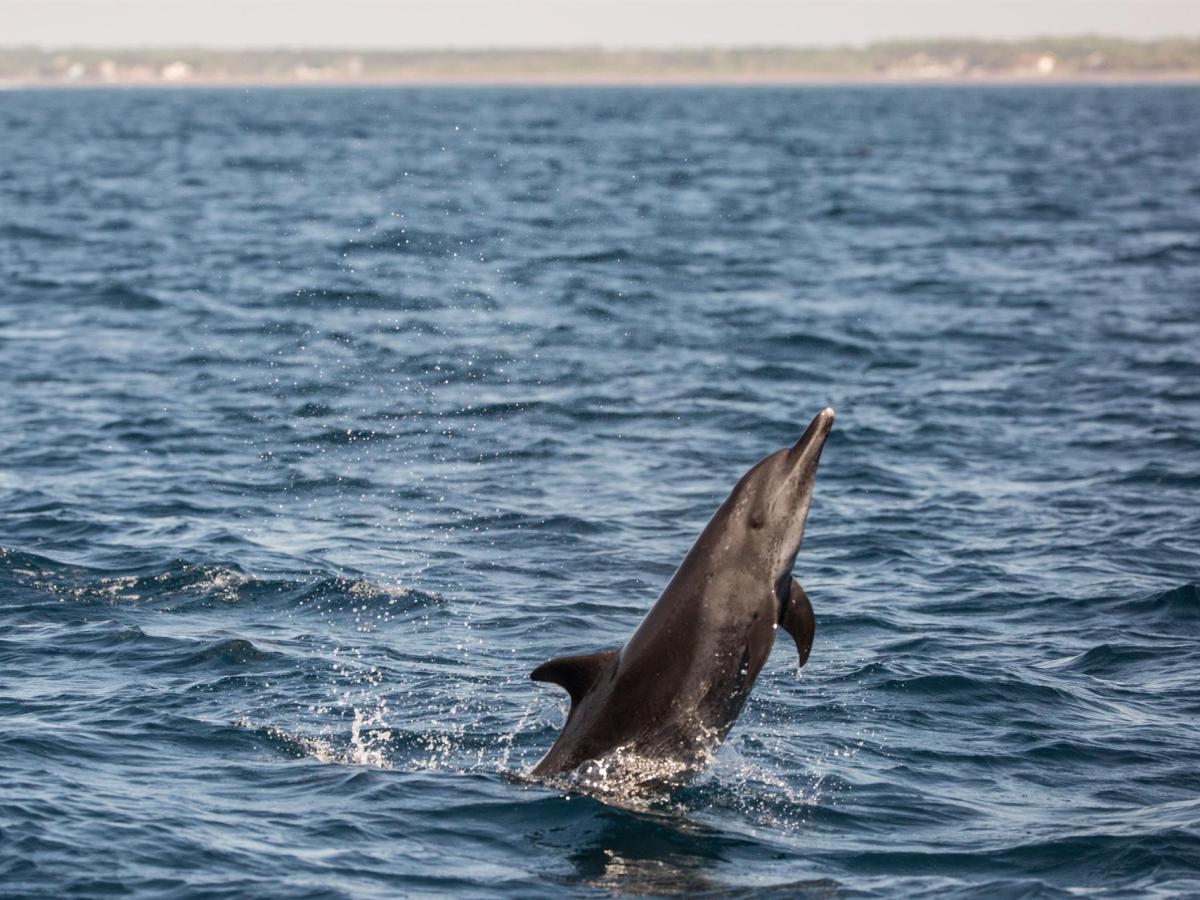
pixel 676 687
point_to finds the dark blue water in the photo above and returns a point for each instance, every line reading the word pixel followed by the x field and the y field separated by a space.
pixel 326 416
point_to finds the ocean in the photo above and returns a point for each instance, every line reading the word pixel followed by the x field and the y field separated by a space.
pixel 327 415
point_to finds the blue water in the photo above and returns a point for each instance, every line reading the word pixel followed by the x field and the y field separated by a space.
pixel 328 415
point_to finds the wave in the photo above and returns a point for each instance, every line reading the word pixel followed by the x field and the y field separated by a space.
pixel 1160 475
pixel 1177 604
pixel 342 437
pixel 409 240
pixel 956 689
pixel 15 232
pixel 365 298
pixel 226 652
pixel 1173 251
pixel 815 346
pixel 1107 659
pixel 607 255
pixel 184 584
pixel 312 410
pixel 122 296
pixel 562 524
pixel 265 163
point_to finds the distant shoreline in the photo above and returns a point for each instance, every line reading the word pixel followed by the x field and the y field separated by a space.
pixel 1036 61
pixel 1173 79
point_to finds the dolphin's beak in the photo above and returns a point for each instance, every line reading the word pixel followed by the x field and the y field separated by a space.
pixel 801 461
pixel 795 613
pixel 813 439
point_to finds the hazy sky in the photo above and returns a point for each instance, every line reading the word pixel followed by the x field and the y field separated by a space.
pixel 458 23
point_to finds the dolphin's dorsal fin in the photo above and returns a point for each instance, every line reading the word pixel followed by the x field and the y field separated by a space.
pixel 575 673
pixel 797 620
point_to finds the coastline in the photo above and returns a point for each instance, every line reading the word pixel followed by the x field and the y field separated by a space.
pixel 630 80
pixel 1080 60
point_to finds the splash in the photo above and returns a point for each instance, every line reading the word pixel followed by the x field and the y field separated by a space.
pixel 370 748
pixel 508 738
pixel 367 744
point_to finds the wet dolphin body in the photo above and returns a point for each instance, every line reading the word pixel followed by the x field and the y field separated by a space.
pixel 676 687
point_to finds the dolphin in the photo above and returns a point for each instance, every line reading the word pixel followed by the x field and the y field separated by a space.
pixel 674 690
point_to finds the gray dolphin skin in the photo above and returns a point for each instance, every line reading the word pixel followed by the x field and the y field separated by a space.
pixel 676 687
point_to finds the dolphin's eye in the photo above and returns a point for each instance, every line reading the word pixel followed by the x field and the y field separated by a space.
pixel 757 519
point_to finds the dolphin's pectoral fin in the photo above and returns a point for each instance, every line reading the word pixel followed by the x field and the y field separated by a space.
pixel 575 673
pixel 797 620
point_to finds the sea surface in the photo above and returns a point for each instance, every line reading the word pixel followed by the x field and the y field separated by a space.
pixel 327 415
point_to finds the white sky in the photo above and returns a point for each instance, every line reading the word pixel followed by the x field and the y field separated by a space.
pixel 616 23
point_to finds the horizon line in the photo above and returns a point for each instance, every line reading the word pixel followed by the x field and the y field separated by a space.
pixel 597 46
